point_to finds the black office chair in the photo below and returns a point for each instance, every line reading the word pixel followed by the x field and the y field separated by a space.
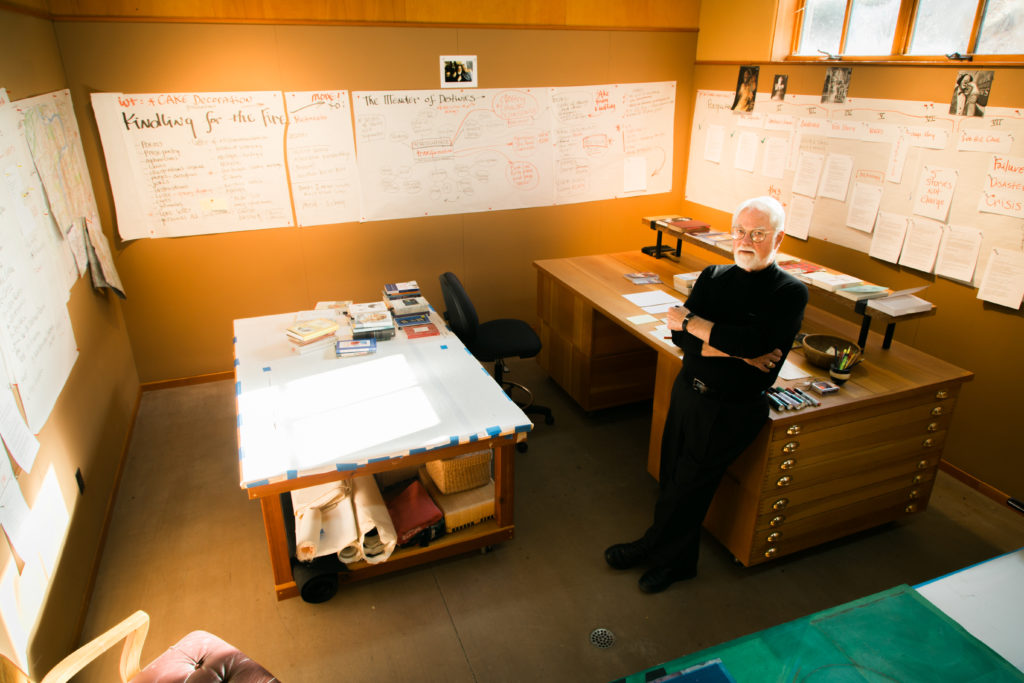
pixel 493 340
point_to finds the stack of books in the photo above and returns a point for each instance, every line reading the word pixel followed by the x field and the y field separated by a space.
pixel 863 291
pixel 686 225
pixel 830 282
pixel 683 282
pixel 311 335
pixel 371 321
pixel 344 348
pixel 401 290
pixel 645 278
pixel 798 267
pixel 408 305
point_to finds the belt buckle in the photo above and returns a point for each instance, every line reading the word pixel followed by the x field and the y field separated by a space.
pixel 699 386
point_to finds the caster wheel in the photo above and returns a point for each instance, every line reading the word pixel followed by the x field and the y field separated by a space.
pixel 522 446
pixel 549 420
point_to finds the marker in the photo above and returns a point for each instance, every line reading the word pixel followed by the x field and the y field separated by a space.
pixel 777 404
pixel 800 402
pixel 814 402
pixel 791 404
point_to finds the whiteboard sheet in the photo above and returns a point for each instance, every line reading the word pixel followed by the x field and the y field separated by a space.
pixel 959 170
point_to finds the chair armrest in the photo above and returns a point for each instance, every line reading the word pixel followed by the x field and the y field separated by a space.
pixel 132 630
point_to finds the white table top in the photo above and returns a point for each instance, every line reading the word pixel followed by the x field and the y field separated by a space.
pixel 308 414
pixel 987 599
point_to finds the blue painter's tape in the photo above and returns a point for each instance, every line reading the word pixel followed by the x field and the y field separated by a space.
pixel 381 459
pixel 241 454
pixel 444 347
pixel 266 368
pixel 254 484
pixel 346 466
pixel 292 474
pixel 239 420
pixel 234 340
pixel 453 441
pixel 237 363
pixel 416 451
pixel 494 431
pixel 238 388
pixel 523 428
pixel 474 438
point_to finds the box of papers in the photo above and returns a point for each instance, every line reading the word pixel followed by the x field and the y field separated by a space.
pixel 683 282
pixel 903 304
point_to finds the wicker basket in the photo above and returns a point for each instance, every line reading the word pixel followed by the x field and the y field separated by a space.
pixel 461 473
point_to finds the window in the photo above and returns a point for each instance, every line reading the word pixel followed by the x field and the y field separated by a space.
pixel 909 29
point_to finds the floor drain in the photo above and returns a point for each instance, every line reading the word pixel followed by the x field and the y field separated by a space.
pixel 602 638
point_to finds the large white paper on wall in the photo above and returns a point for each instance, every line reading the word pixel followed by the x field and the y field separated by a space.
pixel 194 163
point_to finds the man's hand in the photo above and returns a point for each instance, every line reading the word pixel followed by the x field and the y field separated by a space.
pixel 676 314
pixel 766 362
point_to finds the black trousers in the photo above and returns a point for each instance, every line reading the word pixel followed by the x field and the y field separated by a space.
pixel 702 437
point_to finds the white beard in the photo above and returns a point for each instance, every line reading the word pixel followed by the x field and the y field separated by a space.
pixel 750 261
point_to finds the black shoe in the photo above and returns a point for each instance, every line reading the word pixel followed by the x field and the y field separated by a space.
pixel 626 555
pixel 659 578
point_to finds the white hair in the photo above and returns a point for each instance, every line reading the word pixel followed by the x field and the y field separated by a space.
pixel 769 206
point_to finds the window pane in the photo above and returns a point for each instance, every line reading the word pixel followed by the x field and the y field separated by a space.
pixel 872 26
pixel 1002 28
pixel 942 27
pixel 822 27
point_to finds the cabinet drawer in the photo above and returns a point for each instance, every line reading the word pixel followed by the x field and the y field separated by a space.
pixel 925 405
pixel 913 469
pixel 831 525
pixel 782 515
pixel 801 468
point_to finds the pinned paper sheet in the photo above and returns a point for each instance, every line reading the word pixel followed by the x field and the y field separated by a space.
pixel 1003 282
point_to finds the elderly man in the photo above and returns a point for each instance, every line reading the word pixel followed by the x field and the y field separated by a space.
pixel 735 330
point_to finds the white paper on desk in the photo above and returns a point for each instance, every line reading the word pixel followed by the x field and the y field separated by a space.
pixel 798 216
pixel 890 231
pixel 835 180
pixel 1003 281
pixel 642 319
pixel 958 254
pixel 651 298
pixel 791 371
pixel 921 244
pixel 808 171
pixel 661 308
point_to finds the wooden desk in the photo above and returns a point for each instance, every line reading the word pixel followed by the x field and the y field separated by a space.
pixel 866 456
pixel 310 419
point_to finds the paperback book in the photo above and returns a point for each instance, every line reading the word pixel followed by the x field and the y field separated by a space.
pixel 413 319
pixel 645 278
pixel 354 347
pixel 409 304
pixel 417 331
pixel 308 330
pixel 397 290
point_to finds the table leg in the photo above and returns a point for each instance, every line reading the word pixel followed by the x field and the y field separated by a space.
pixel 277 539
pixel 504 484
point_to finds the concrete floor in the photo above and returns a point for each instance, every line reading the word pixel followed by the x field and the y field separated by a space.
pixel 187 546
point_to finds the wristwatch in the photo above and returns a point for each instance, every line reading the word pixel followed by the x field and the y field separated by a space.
pixel 686 321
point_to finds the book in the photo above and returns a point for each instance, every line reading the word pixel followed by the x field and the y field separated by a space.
pixel 374 315
pixel 316 345
pixel 900 304
pixel 830 282
pixel 308 330
pixel 683 282
pixel 380 334
pixel 409 304
pixel 798 267
pixel 687 225
pixel 333 305
pixel 645 278
pixel 397 290
pixel 863 291
pixel 344 348
pixel 372 306
pixel 417 331
pixel 412 319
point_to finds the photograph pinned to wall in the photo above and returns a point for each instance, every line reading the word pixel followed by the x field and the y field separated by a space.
pixel 459 71
pixel 746 89
pixel 970 93
pixel 779 84
pixel 837 84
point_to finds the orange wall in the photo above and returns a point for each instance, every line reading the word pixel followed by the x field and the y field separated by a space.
pixel 92 418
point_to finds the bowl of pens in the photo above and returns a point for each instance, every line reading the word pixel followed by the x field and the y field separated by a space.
pixel 828 351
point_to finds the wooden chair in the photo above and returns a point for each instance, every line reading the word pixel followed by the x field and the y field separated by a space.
pixel 197 650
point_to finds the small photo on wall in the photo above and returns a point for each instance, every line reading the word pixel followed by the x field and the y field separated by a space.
pixel 970 93
pixel 837 84
pixel 779 83
pixel 746 89
pixel 459 71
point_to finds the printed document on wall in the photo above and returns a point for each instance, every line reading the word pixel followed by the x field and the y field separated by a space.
pixel 1003 281
pixel 195 163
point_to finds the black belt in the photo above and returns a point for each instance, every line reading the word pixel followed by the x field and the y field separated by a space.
pixel 726 397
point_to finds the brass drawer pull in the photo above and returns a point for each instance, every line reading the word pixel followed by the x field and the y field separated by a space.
pixel 918 479
pixel 780 504
pixel 910 508
pixel 932 426
pixel 914 494
pixel 777 520
pixel 922 464
pixel 786 481
pixel 793 430
pixel 787 464
pixel 928 443
pixel 770 552
pixel 937 410
pixel 941 394
pixel 791 447
pixel 773 536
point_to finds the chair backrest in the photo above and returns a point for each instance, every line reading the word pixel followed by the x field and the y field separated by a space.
pixel 459 310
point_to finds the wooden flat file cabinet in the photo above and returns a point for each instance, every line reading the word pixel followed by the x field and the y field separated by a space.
pixel 868 455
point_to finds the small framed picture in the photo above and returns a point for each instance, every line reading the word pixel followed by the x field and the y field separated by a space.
pixel 970 93
pixel 459 71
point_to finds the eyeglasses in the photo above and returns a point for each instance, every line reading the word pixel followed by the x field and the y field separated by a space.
pixel 756 235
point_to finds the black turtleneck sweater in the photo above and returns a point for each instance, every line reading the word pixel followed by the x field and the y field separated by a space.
pixel 754 313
